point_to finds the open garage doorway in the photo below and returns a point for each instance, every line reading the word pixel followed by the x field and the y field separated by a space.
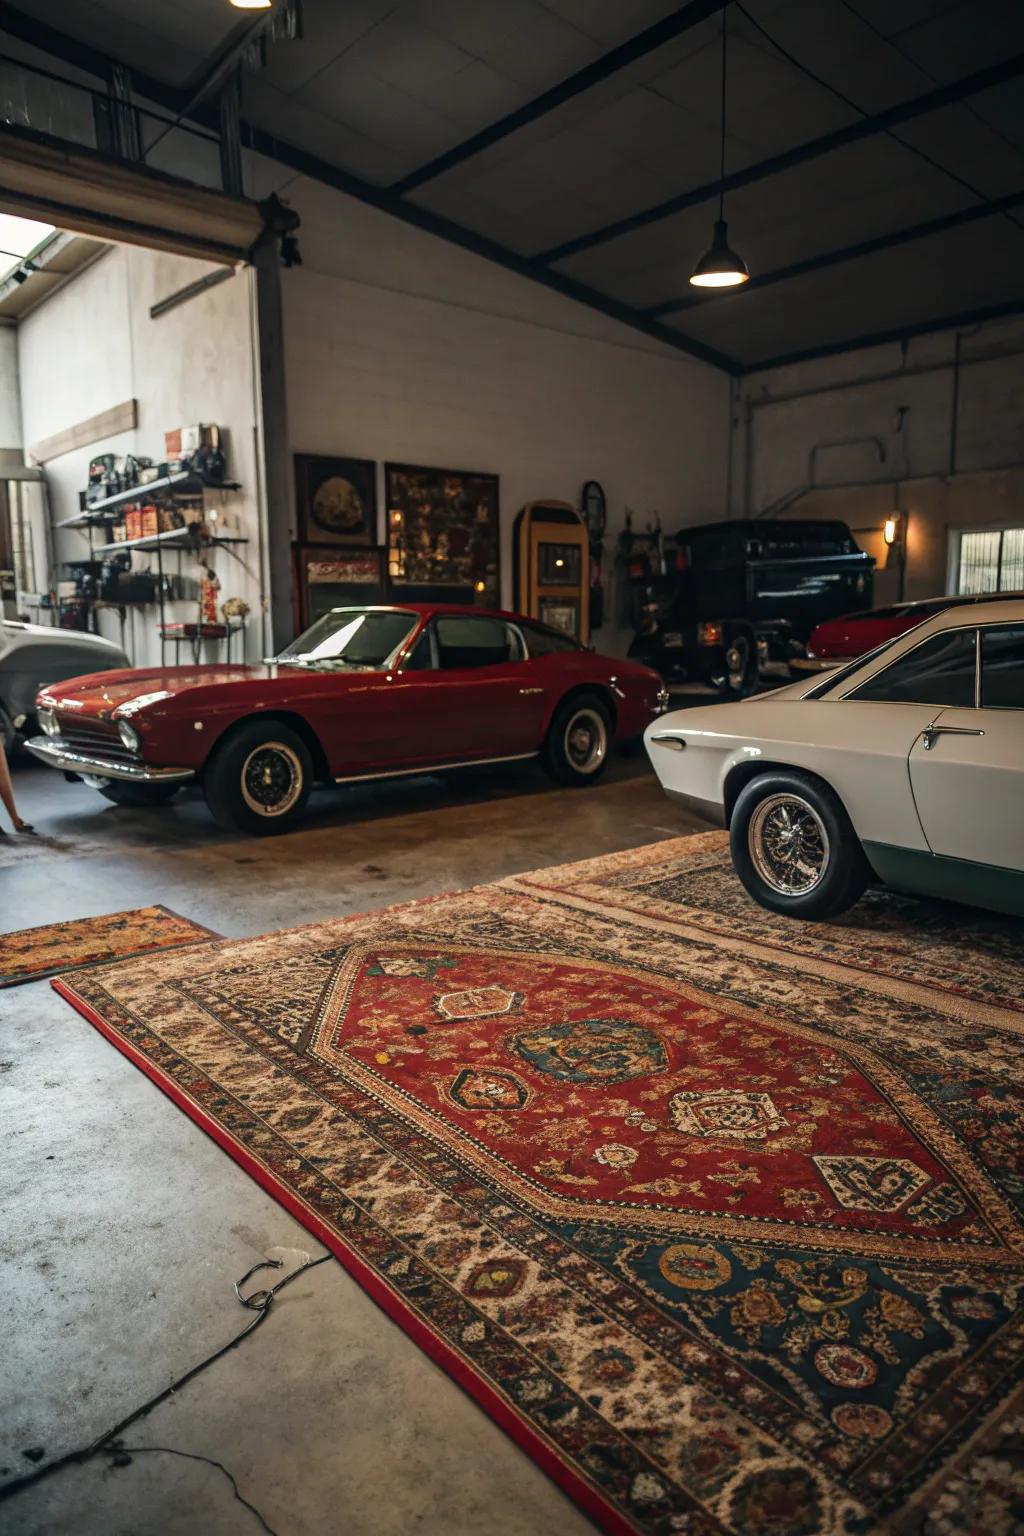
pixel 132 508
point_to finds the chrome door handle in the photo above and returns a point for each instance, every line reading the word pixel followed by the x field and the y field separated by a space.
pixel 928 736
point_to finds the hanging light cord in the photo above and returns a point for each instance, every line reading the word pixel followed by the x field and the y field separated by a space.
pixel 854 106
pixel 110 1443
pixel 721 172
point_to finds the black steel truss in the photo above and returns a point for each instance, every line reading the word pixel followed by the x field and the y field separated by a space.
pixel 391 199
pixel 813 149
pixel 900 333
pixel 645 42
pixel 697 298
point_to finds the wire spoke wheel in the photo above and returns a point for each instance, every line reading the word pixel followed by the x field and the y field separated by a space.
pixel 788 844
pixel 586 740
pixel 271 779
pixel 737 660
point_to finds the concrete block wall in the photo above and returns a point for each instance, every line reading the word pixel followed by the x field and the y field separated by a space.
pixel 93 345
pixel 401 347
pixel 934 431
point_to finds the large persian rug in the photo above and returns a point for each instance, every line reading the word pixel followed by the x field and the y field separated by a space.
pixel 28 954
pixel 717 1214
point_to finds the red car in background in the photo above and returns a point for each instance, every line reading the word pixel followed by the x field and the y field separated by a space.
pixel 855 634
pixel 365 693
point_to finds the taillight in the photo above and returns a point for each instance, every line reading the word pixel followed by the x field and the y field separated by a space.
pixel 710 634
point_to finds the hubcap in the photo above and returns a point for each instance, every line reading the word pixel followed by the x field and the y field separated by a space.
pixel 788 844
pixel 271 779
pixel 586 740
pixel 736 659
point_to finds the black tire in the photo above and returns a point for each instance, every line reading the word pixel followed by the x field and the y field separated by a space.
pixel 578 740
pixel 123 792
pixel 783 810
pixel 259 764
pixel 740 671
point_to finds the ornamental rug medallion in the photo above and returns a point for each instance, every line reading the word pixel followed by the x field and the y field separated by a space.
pixel 726 1233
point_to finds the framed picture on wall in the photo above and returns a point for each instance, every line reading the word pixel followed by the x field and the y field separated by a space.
pixel 327 577
pixel 335 499
pixel 561 613
pixel 443 531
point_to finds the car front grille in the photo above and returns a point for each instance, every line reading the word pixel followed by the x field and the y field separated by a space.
pixel 99 738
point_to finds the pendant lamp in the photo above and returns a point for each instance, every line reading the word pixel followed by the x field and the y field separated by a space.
pixel 720 267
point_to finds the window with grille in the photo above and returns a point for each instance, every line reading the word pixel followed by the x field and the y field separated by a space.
pixel 991 560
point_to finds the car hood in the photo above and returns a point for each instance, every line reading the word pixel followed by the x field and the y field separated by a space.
pixel 99 694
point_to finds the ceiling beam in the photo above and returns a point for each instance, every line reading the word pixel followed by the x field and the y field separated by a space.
pixel 697 298
pixel 47 38
pixel 813 149
pixel 899 333
pixel 671 26
pixel 263 142
pixel 216 69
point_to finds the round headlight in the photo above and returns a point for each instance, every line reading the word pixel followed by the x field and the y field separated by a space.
pixel 130 737
pixel 48 722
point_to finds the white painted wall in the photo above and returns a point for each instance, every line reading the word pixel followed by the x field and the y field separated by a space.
pixel 878 426
pixel 10 408
pixel 400 346
pixel 93 345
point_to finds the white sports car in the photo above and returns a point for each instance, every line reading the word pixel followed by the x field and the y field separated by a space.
pixel 905 766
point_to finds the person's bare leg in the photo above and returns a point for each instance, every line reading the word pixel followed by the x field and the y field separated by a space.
pixel 7 793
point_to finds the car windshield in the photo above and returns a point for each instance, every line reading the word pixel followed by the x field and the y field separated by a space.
pixel 351 637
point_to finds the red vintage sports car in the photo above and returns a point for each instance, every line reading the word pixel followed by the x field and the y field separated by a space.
pixel 365 693
pixel 854 634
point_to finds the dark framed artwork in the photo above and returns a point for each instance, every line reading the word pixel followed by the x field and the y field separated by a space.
pixel 335 499
pixel 443 531
pixel 327 577
pixel 560 613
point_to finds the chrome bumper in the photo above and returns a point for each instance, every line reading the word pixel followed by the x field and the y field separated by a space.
pixel 57 753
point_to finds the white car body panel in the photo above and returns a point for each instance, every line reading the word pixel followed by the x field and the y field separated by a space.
pixel 962 798
pixel 861 749
pixel 969 790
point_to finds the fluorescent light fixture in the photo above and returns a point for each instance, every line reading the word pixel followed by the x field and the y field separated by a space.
pixel 251 5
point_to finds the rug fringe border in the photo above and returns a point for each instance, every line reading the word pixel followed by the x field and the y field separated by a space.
pixel 583 1494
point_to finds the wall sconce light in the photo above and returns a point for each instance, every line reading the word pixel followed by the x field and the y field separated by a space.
pixel 891 530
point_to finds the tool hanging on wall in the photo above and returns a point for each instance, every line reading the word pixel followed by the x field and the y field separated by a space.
pixel 594 509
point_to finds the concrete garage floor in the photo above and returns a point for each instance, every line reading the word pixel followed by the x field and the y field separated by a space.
pixel 124 1227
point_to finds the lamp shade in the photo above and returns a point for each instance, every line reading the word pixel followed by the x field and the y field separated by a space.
pixel 719 267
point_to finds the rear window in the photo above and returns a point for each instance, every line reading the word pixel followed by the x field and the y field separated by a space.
pixel 1002 667
pixel 542 641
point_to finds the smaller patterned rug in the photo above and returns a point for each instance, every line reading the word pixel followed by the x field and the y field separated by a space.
pixel 29 954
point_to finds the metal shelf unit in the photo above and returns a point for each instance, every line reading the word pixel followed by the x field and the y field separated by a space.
pixel 104 513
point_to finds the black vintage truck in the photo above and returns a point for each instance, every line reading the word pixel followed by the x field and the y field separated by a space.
pixel 728 604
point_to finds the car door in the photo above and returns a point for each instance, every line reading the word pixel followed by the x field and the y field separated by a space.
pixel 967 768
pixel 479 698
pixel 878 724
